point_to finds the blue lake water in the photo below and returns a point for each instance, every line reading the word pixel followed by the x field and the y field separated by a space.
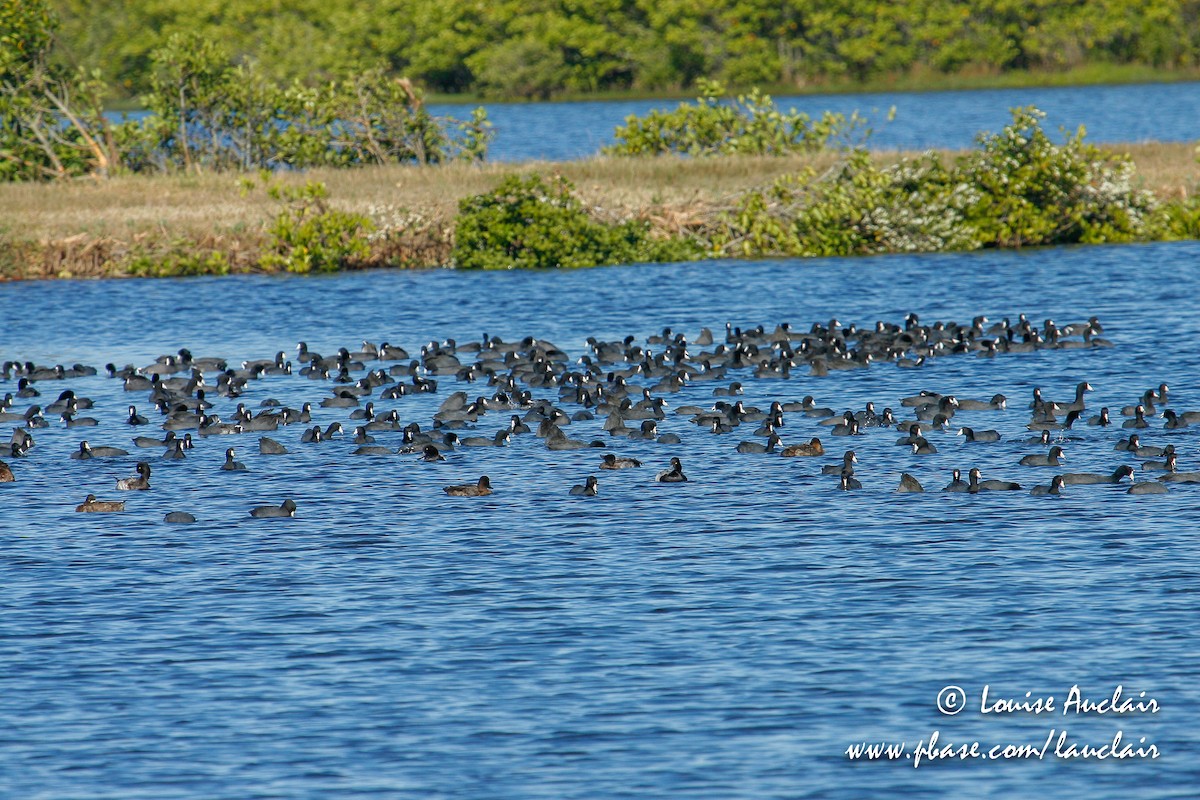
pixel 1131 113
pixel 728 637
pixel 1165 112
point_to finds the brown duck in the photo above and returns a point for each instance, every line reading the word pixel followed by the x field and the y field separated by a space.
pixel 813 448
pixel 94 505
pixel 480 489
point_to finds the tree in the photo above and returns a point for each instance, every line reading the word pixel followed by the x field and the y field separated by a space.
pixel 51 120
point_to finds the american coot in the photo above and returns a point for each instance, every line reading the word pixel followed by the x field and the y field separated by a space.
pixel 269 447
pixel 977 485
pixel 1131 444
pixel 956 484
pixel 1095 479
pixel 141 482
pixel 973 435
pixel 150 441
pixel 757 447
pixel 1050 424
pixel 923 447
pixel 1166 465
pixel 1139 419
pixel 1052 459
pixel 499 440
pixel 1146 405
pixel 998 403
pixel 1180 477
pixel 672 475
pixel 1076 404
pixel 285 509
pixel 851 427
pixel 1055 487
pixel 588 489
pixel 849 459
pixel 230 465
pixel 1173 420
pixel 1149 487
pixel 91 504
pixel 86 451
pixel 849 482
pixel 909 484
pixel 1043 439
pixel 480 489
pixel 179 517
pixel 372 450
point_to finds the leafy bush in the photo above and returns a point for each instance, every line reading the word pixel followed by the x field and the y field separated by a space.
pixel 210 114
pixel 51 119
pixel 535 223
pixel 752 125
pixel 1177 220
pixel 206 114
pixel 857 208
pixel 179 262
pixel 1017 189
pixel 308 235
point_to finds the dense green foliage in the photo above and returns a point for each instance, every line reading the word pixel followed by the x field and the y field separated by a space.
pixel 752 125
pixel 537 223
pixel 1016 189
pixel 541 48
pixel 51 124
pixel 308 235
pixel 206 113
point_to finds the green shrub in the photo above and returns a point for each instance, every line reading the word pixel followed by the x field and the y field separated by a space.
pixel 209 114
pixel 752 125
pixel 1177 220
pixel 52 124
pixel 307 235
pixel 179 263
pixel 856 208
pixel 1019 188
pixel 535 223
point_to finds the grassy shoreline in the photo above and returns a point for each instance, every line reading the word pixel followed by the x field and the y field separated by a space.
pixel 123 226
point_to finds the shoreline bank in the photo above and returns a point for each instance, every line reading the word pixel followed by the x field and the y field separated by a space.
pixel 135 226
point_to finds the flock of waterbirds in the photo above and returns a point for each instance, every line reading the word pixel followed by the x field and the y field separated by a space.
pixel 539 390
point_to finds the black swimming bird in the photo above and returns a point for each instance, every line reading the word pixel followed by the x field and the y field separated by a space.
pixel 141 482
pixel 230 465
pixel 588 489
pixel 1055 487
pixel 672 475
pixel 1092 478
pixel 285 509
pixel 480 489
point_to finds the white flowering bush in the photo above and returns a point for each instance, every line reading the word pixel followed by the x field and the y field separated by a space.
pixel 1017 189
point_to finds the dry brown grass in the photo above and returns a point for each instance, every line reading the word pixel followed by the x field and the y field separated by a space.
pixel 189 206
pixel 1169 169
pixel 89 227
